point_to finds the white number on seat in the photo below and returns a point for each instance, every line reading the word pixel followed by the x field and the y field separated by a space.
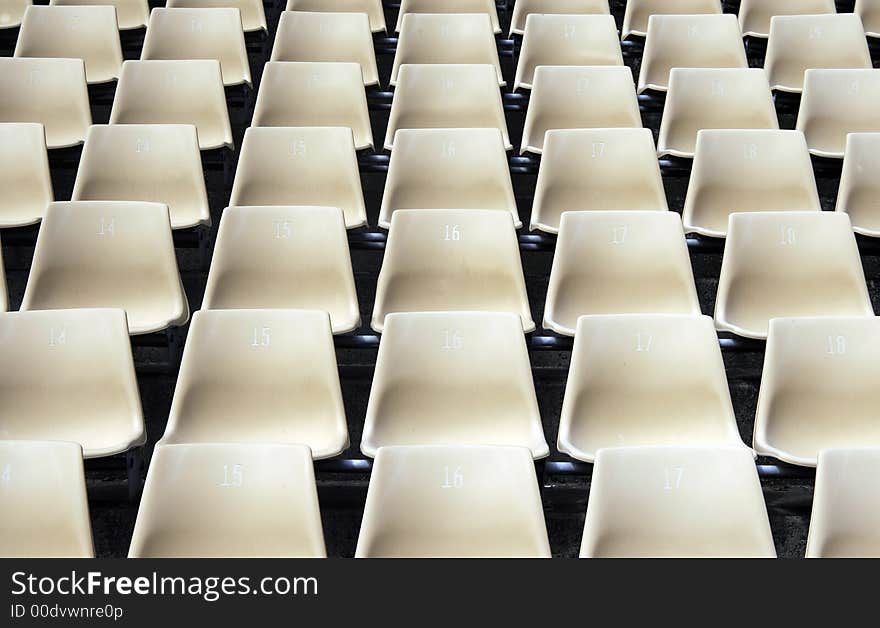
pixel 57 336
pixel 262 337
pixel 672 477
pixel 233 476
pixel 618 234
pixel 598 149
pixel 6 476
pixel 107 227
pixel 452 340
pixel 455 479
pixel 452 233
pixel 298 148
pixel 836 345
pixel 789 236
pixel 644 342
pixel 281 229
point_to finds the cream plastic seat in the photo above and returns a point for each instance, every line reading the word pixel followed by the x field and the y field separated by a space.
pixel 567 40
pixel 108 254
pixel 819 387
pixel 47 394
pixel 300 166
pixel 373 8
pixel 747 171
pixel 25 182
pixel 448 169
pixel 859 193
pixel 869 11
pixel 446 97
pixel 523 8
pixel 453 502
pixel 314 94
pixel 619 262
pixel 755 15
pixel 713 98
pixel 253 15
pixel 658 502
pixel 451 260
pixel 130 14
pixel 453 378
pixel 12 12
pixel 449 6
pixel 638 12
pixel 158 163
pixel 579 97
pixel 223 500
pixel 596 169
pixel 175 92
pixel 835 103
pixel 52 92
pixel 689 41
pixel 788 264
pixel 44 509
pixel 284 257
pixel 327 37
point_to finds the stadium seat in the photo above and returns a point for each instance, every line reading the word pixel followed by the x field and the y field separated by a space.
pixel 645 379
pixel 579 97
pixel 108 254
pixel 273 379
pixel 373 8
pixel 196 494
pixel 130 14
pixel 619 262
pixel 451 260
pixel 12 12
pixel 449 6
pixel 659 502
pixel 523 8
pixel 859 193
pixel 253 14
pixel 300 166
pixel 755 15
pixel 157 163
pixel 453 502
pixel 453 378
pixel 596 169
pixel 286 258
pixel 175 92
pixel 869 11
pixel 47 394
pixel 788 264
pixel 448 169
pixel 314 94
pixel 446 96
pixel 713 98
pixel 639 12
pixel 746 171
pixel 44 509
pixel 25 182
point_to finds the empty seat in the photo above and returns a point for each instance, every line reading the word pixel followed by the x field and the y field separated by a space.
pixel 175 92
pixel 619 262
pixel 12 12
pixel 639 12
pixel 44 509
pixel 869 11
pixel 747 171
pixel 157 163
pixel 287 258
pixel 300 166
pixel 755 15
pixel 859 193
pixel 271 379
pixel 657 502
pixel 229 501
pixel 451 260
pixel 25 182
pixel 449 6
pixel 69 375
pixel 788 264
pixel 253 15
pixel 453 502
pixel 713 98
pixel 453 378
pixel 523 8
pixel 130 14
pixel 579 97
pixel 108 254
pixel 373 8
pixel 448 169
pixel 314 94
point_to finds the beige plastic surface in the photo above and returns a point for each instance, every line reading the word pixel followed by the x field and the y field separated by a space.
pixel 108 254
pixel 229 501
pixel 788 264
pixel 284 257
pixel 253 15
pixel 596 169
pixel 314 94
pixel 619 262
pixel 453 378
pixel 689 41
pixel 130 14
pixel 835 103
pixel 451 260
pixel 446 97
pixel 69 375
pixel 25 182
pixel 449 6
pixel 869 11
pixel 755 15
pixel 453 502
pixel 175 92
pixel 659 502
pixel 747 171
pixel 300 166
pixel 157 163
pixel 645 379
pixel 373 8
pixel 43 501
pixel 52 92
pixel 713 98
pixel 11 12
pixel 579 97
pixel 639 12
pixel 523 8
pixel 819 387
pixel 327 37
pixel 859 191
pixel 448 169
pixel 259 376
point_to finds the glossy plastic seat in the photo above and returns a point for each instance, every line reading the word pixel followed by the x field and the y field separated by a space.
pixel 373 8
pixel 755 15
pixel 859 191
pixel 869 11
pixel 639 12
pixel 449 6
pixel 253 14
pixel 25 181
pixel 523 8
pixel 130 14
pixel 12 12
